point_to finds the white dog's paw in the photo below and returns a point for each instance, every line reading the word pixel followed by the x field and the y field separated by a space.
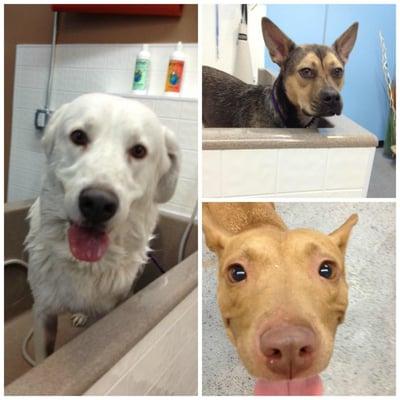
pixel 78 320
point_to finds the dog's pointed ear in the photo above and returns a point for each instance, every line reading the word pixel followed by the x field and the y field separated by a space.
pixel 48 139
pixel 345 42
pixel 278 44
pixel 341 235
pixel 172 159
pixel 216 236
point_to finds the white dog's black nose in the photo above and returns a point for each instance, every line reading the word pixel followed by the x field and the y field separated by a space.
pixel 97 205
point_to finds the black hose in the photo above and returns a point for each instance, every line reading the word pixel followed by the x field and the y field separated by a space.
pixel 152 258
pixel 244 13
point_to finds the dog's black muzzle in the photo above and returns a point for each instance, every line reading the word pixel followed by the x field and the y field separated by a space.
pixel 330 102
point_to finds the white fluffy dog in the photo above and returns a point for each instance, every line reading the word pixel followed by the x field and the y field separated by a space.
pixel 109 162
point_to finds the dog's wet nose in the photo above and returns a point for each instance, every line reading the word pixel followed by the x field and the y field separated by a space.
pixel 330 97
pixel 98 205
pixel 289 350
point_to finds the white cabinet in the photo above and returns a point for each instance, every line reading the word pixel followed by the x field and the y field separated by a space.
pixel 287 172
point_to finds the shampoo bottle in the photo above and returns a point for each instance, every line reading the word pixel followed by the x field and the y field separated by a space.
pixel 142 71
pixel 176 64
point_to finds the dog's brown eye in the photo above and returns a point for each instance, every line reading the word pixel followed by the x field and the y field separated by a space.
pixel 307 73
pixel 79 138
pixel 237 273
pixel 138 151
pixel 337 72
pixel 326 270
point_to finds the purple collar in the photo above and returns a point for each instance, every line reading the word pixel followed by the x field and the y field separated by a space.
pixel 278 109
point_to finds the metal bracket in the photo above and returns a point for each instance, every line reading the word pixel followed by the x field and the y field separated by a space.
pixel 42 116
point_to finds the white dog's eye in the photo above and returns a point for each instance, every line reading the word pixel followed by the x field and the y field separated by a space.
pixel 79 138
pixel 138 151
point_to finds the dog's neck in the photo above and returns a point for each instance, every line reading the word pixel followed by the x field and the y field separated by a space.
pixel 287 112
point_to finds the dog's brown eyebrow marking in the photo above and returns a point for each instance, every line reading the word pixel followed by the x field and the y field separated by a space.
pixel 331 60
pixel 311 248
pixel 310 60
pixel 255 255
pixel 300 53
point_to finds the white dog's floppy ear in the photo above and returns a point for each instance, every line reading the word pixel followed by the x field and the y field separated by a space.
pixel 48 138
pixel 167 183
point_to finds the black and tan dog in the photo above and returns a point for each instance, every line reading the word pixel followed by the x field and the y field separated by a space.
pixel 306 89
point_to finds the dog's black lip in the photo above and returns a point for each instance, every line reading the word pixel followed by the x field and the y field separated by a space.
pixel 320 112
pixel 87 225
pixel 327 113
pixel 330 113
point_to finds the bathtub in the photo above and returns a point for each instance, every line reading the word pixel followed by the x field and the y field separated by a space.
pixel 147 345
pixel 334 161
pixel 283 162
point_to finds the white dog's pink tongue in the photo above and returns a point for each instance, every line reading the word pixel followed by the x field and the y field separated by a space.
pixel 87 244
pixel 294 387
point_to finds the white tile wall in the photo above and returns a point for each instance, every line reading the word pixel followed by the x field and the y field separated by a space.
pixel 87 68
pixel 333 172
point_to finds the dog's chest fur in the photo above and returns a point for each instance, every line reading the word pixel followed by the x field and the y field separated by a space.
pixel 62 284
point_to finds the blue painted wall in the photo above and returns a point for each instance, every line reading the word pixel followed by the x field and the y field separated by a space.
pixel 364 94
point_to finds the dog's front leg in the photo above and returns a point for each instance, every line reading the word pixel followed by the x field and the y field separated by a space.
pixel 44 335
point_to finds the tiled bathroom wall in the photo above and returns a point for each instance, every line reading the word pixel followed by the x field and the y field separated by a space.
pixel 107 68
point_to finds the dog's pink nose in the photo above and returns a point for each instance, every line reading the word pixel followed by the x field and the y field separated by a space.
pixel 289 349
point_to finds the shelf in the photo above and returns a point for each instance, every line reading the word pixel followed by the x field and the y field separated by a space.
pixel 154 97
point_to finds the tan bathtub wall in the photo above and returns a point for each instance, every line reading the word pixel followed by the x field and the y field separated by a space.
pixel 26 24
pixel 18 300
pixel 165 245
pixel 15 228
pixel 164 362
pixel 75 367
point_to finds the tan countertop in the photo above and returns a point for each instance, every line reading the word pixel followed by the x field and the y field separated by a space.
pixel 344 133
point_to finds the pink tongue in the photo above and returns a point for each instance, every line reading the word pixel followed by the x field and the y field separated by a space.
pixel 294 387
pixel 87 244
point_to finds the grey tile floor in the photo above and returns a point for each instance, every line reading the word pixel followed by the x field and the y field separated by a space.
pixel 383 177
pixel 363 362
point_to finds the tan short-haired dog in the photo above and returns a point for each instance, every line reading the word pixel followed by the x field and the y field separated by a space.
pixel 282 293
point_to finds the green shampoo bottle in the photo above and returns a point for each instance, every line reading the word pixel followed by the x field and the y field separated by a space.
pixel 142 71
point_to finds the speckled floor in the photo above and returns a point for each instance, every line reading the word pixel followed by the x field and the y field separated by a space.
pixel 363 362
pixel 383 176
